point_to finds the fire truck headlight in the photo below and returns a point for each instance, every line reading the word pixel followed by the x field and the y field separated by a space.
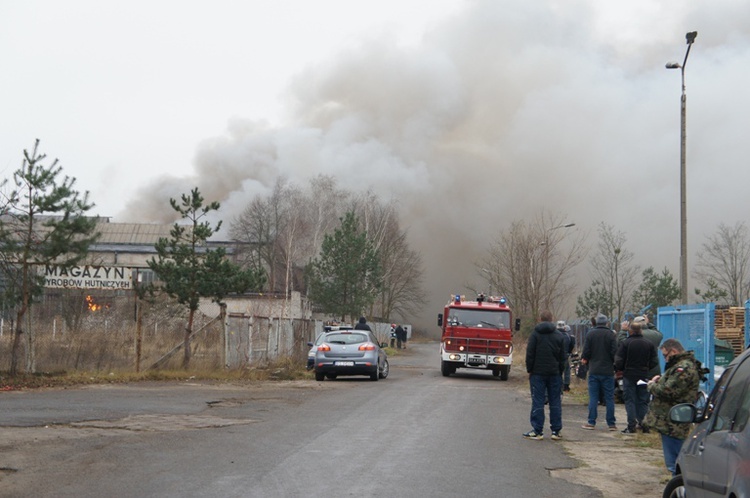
pixel 499 359
pixel 454 357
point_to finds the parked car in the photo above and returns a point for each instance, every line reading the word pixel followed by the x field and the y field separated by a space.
pixel 349 352
pixel 314 345
pixel 715 458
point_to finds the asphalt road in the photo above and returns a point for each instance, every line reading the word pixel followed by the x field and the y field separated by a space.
pixel 414 434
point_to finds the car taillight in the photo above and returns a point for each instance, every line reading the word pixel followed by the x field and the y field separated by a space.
pixel 324 347
pixel 367 347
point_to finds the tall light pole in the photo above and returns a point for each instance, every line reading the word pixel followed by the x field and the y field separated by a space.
pixel 489 280
pixel 690 38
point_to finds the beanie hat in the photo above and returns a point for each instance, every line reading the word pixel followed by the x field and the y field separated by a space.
pixel 601 319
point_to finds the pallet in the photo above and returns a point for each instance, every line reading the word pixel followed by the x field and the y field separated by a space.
pixel 729 318
pixel 729 333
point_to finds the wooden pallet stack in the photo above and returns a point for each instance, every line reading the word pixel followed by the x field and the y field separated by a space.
pixel 729 325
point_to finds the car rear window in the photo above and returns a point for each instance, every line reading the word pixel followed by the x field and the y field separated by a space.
pixel 346 338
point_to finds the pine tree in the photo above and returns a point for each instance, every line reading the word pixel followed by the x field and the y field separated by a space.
pixel 346 277
pixel 187 270
pixel 43 223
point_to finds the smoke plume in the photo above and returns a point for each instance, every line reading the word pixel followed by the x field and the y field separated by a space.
pixel 505 109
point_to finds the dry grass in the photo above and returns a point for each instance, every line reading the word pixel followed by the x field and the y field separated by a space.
pixel 285 369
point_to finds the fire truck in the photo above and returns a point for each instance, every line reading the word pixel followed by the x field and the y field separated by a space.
pixel 477 334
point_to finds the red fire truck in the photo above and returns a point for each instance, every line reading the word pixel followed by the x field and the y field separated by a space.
pixel 477 334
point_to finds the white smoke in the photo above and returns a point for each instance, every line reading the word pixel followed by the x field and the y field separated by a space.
pixel 505 109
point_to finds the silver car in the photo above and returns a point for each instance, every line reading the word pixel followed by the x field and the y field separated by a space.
pixel 350 352
pixel 715 459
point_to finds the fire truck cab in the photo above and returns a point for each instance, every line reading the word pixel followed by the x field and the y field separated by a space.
pixel 477 334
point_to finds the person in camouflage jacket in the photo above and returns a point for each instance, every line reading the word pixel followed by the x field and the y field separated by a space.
pixel 678 384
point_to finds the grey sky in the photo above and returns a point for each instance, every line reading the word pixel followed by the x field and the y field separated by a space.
pixel 472 113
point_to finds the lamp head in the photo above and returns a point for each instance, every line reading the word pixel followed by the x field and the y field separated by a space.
pixel 673 65
pixel 690 37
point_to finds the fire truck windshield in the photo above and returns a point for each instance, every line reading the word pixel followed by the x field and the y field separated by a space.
pixel 479 318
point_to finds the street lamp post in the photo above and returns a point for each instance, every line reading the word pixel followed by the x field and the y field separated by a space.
pixel 489 280
pixel 690 38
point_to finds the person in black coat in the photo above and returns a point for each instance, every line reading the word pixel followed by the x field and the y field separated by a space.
pixel 599 350
pixel 545 362
pixel 362 324
pixel 635 358
pixel 400 337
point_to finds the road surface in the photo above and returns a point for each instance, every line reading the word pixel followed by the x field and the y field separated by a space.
pixel 414 434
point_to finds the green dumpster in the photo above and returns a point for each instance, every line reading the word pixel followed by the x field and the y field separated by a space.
pixel 724 353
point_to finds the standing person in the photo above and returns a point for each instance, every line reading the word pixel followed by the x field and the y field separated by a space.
pixel 635 357
pixel 400 335
pixel 545 360
pixel 651 333
pixel 624 333
pixel 362 324
pixel 678 384
pixel 599 350
pixel 568 345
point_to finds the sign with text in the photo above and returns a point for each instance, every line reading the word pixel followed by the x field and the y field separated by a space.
pixel 88 277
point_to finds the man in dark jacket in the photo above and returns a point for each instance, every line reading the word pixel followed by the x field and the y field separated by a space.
pixel 400 336
pixel 652 334
pixel 569 344
pixel 545 361
pixel 635 358
pixel 599 350
pixel 362 324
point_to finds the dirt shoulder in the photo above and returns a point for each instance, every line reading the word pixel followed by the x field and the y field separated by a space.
pixel 619 466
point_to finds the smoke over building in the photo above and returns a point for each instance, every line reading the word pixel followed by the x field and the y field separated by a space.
pixel 503 110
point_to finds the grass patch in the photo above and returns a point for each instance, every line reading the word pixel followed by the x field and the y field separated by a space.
pixel 286 369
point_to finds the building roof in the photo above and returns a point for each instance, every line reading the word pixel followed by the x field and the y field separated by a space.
pixel 131 233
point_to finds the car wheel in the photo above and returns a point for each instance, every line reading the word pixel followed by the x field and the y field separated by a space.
pixel 386 369
pixel 319 376
pixel 504 371
pixel 675 488
pixel 332 376
pixel 375 375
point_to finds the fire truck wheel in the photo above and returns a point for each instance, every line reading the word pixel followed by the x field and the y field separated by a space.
pixel 504 371
pixel 446 369
pixel 496 372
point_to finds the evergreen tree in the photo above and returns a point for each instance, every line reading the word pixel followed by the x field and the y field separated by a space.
pixel 43 223
pixel 595 299
pixel 713 293
pixel 656 289
pixel 188 270
pixel 346 277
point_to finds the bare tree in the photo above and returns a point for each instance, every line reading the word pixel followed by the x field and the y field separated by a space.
pixel 724 259
pixel 327 203
pixel 284 232
pixel 293 228
pixel 258 229
pixel 532 263
pixel 401 293
pixel 613 273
